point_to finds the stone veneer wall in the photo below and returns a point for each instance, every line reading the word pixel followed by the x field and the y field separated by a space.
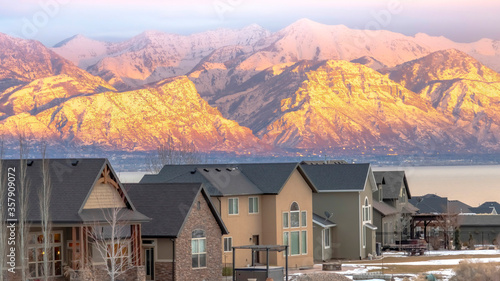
pixel 163 271
pixel 199 219
pixel 99 273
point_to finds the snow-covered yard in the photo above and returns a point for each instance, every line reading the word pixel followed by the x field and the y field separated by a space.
pixel 439 263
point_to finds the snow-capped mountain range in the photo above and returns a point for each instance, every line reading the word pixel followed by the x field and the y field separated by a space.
pixel 308 86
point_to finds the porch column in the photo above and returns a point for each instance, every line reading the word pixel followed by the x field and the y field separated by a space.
pixel 82 251
pixel 136 244
pixel 73 249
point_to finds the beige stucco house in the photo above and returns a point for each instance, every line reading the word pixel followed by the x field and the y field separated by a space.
pixel 344 226
pixel 260 204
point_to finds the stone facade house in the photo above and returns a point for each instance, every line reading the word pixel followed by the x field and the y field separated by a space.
pixel 85 194
pixel 260 204
pixel 184 238
pixel 343 205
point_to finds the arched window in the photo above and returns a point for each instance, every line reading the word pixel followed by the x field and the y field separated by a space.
pixel 198 248
pixel 366 211
pixel 294 215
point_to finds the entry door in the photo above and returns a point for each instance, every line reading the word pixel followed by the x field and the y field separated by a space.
pixel 255 239
pixel 149 256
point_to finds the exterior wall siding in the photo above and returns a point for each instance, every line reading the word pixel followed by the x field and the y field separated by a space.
pixel 203 219
pixel 345 212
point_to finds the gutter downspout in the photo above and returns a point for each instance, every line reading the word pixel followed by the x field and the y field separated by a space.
pixel 173 259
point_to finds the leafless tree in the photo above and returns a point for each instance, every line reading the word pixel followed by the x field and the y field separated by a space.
pixel 44 194
pixel 23 197
pixel 170 152
pixel 112 241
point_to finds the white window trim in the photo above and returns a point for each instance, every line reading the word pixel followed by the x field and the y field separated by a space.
pixel 302 244
pixel 288 220
pixel 290 241
pixel 200 253
pixel 329 238
pixel 52 245
pixel 301 222
pixel 224 244
pixel 238 204
pixel 258 206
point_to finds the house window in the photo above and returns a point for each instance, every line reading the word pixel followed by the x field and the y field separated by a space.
pixel 366 211
pixel 253 205
pixel 119 253
pixel 295 242
pixel 304 242
pixel 36 252
pixel 326 233
pixel 198 249
pixel 285 220
pixel 233 206
pixel 303 218
pixel 366 219
pixel 295 215
pixel 286 240
pixel 228 244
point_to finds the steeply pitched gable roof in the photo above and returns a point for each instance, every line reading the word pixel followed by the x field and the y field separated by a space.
pixel 169 205
pixel 392 182
pixel 430 203
pixel 338 177
pixel 231 179
pixel 71 181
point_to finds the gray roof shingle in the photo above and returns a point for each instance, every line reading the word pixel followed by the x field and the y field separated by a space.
pixel 230 179
pixel 168 204
pixel 338 177
pixel 430 203
pixel 71 181
pixel 392 183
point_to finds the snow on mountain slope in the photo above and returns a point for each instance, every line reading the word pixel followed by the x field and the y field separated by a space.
pixel 342 104
pixel 152 55
pixel 459 86
pixel 136 120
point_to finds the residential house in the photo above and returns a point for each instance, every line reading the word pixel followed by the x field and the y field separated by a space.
pixel 392 212
pixel 85 193
pixel 344 204
pixel 479 230
pixel 458 207
pixel 183 240
pixel 491 208
pixel 260 204
pixel 433 220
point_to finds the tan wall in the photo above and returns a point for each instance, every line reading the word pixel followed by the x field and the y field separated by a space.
pixel 241 228
pixel 164 250
pixel 268 223
pixel 295 190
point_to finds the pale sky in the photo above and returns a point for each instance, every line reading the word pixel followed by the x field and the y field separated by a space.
pixel 51 21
